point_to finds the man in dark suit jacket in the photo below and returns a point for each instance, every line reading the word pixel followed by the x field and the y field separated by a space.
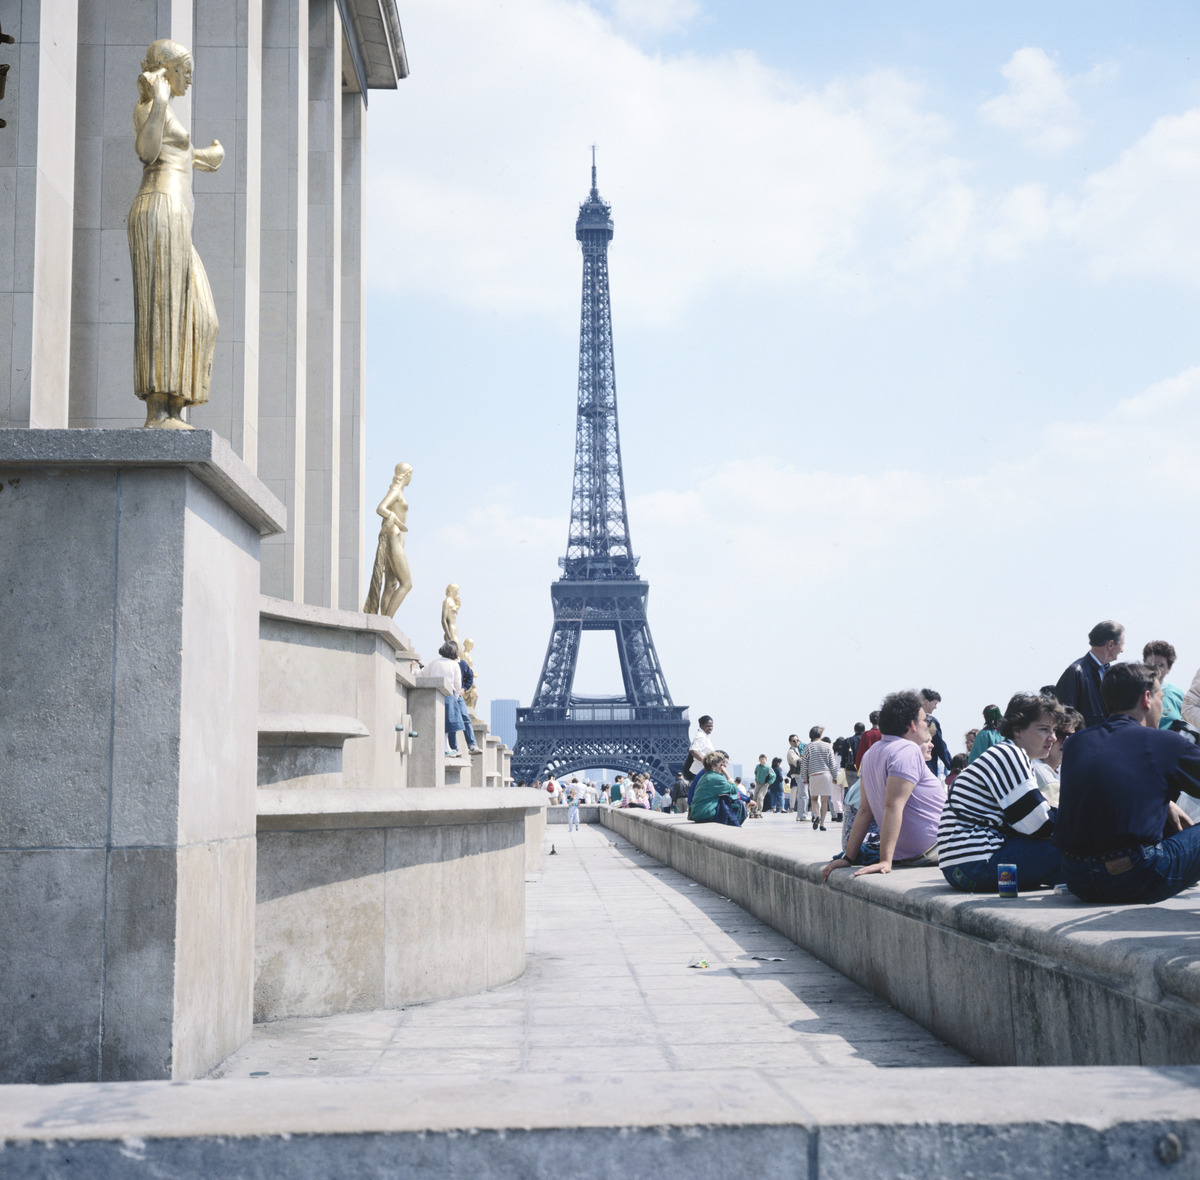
pixel 1079 685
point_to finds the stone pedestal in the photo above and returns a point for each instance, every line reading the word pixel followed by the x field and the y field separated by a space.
pixel 427 705
pixel 129 571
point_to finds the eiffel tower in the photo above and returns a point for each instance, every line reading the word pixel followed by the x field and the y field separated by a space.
pixel 599 588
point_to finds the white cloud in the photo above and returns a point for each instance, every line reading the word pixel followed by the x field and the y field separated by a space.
pixel 655 16
pixel 721 170
pixel 1138 216
pixel 1037 104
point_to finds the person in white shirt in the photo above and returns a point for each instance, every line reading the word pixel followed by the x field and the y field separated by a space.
pixel 447 665
pixel 701 745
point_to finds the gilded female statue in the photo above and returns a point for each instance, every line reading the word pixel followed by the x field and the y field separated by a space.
pixel 390 579
pixel 451 605
pixel 470 695
pixel 174 318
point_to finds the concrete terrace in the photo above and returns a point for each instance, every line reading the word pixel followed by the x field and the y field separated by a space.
pixel 608 989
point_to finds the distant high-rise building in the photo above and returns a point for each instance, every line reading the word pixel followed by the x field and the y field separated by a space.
pixel 504 721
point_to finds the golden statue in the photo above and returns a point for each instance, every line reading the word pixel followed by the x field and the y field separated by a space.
pixel 471 696
pixel 390 579
pixel 174 318
pixel 451 605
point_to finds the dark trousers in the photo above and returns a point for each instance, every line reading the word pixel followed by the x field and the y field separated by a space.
pixel 1145 874
pixel 1039 866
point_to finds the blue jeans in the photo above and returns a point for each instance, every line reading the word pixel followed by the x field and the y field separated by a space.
pixel 1039 866
pixel 458 718
pixel 1154 873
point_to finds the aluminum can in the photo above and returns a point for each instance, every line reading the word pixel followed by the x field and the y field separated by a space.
pixel 1006 880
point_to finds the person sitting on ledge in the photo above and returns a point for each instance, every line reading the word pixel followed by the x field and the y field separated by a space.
pixel 995 814
pixel 715 799
pixel 1123 837
pixel 899 788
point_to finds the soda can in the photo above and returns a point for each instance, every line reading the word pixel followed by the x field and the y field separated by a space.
pixel 1006 880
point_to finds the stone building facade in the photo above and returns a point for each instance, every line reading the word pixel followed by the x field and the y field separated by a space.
pixel 283 84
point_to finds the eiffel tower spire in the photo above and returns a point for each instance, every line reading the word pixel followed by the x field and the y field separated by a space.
pixel 599 589
pixel 598 540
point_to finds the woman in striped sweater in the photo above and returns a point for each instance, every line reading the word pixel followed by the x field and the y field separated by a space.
pixel 995 814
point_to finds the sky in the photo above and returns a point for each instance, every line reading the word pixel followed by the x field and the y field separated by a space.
pixel 905 306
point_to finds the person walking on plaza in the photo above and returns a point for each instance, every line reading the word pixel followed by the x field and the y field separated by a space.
pixel 899 789
pixel 989 735
pixel 775 794
pixel 817 770
pixel 762 784
pixel 930 699
pixel 995 813
pixel 1079 685
pixel 679 791
pixel 1123 837
pixel 867 740
pixel 573 806
pixel 851 761
pixel 795 747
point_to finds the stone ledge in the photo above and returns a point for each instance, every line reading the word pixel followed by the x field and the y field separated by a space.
pixel 288 810
pixel 308 729
pixel 1042 980
pixel 1019 1124
pixel 203 452
pixel 340 620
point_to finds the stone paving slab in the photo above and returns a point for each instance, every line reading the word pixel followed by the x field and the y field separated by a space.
pixel 608 989
pixel 1043 979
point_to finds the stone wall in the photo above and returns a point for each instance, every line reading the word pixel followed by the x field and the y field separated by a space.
pixel 374 899
pixel 894 1124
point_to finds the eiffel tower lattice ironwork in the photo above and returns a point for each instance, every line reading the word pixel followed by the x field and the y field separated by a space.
pixel 599 588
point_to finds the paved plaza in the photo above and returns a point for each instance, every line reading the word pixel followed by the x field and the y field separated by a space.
pixel 609 988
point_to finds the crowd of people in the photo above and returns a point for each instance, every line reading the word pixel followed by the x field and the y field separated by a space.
pixel 1091 783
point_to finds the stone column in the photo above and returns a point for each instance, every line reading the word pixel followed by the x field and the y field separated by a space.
pixel 427 707
pixel 37 167
pixel 129 576
pixel 322 478
pixel 228 107
pixel 283 309
pixel 113 36
pixel 354 431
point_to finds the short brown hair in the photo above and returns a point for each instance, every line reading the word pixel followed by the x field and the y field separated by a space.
pixel 1159 647
pixel 1027 708
pixel 713 760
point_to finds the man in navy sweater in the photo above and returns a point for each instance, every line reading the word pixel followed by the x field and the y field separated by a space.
pixel 1121 833
pixel 1079 685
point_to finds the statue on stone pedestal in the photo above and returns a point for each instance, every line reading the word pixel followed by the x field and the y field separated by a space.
pixel 174 318
pixel 451 605
pixel 471 695
pixel 390 579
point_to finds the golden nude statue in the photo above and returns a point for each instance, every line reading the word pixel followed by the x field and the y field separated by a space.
pixel 390 579
pixel 451 605
pixel 471 695
pixel 174 318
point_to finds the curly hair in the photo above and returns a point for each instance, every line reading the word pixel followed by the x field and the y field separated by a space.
pixel 898 711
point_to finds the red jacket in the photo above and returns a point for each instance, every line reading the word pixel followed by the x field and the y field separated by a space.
pixel 867 740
